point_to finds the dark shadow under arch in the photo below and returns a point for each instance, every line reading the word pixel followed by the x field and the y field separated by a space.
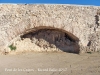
pixel 61 39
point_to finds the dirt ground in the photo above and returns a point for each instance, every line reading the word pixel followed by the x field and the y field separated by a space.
pixel 50 64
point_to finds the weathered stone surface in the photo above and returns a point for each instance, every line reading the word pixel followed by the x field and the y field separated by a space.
pixel 79 22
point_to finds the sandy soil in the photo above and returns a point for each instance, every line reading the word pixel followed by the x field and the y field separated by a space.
pixel 50 64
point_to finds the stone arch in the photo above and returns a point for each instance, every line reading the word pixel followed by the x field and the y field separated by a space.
pixel 75 38
pixel 35 40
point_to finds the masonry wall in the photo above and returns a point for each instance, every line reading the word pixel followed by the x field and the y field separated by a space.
pixel 81 21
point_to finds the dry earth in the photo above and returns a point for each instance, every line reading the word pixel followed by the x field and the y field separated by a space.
pixel 60 63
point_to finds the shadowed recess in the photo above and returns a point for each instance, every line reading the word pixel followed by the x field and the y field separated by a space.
pixel 53 39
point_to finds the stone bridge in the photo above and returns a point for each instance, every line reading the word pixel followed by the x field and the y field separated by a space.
pixel 80 23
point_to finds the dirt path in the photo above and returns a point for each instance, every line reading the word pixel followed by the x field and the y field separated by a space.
pixel 50 64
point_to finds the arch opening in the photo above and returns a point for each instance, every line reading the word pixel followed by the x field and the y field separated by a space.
pixel 48 40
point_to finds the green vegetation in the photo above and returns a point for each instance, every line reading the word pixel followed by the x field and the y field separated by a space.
pixel 12 47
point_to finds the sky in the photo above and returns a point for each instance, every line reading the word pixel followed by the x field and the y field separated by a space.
pixel 79 2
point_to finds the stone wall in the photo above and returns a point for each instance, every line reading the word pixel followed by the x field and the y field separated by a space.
pixel 80 21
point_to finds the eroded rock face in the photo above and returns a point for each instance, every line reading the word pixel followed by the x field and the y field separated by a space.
pixel 47 40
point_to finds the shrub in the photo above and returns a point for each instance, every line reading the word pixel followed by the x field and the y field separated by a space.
pixel 12 47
